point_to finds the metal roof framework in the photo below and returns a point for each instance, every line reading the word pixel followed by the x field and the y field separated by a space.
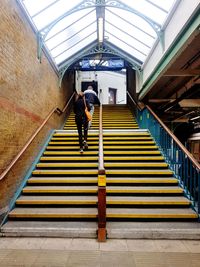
pixel 68 30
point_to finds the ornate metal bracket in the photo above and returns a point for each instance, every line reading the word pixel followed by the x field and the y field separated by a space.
pixel 96 49
pixel 42 34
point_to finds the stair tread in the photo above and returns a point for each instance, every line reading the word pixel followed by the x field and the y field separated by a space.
pixel 143 188
pixel 68 164
pixel 135 164
pixel 64 178
pixel 67 198
pixel 107 164
pixel 149 198
pixel 50 158
pixel 140 178
pixel 140 152
pixel 56 210
pixel 71 153
pixel 109 198
pixel 85 171
pixel 155 213
pixel 138 171
pixel 49 187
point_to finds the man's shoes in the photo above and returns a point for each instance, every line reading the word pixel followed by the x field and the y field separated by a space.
pixel 81 150
pixel 85 145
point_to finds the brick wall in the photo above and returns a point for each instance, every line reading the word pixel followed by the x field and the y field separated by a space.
pixel 28 92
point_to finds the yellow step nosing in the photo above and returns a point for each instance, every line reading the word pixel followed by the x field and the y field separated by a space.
pixel 146 202
pixel 56 202
pixel 159 216
pixel 62 172
pixel 68 158
pixel 59 190
pixel 155 152
pixel 61 215
pixel 106 158
pixel 138 172
pixel 70 153
pixel 71 164
pixel 140 191
pixel 134 164
pixel 67 181
pixel 124 181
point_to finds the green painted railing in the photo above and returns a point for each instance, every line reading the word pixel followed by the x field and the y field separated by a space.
pixel 184 165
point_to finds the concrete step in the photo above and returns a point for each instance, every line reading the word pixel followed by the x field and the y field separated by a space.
pixel 75 147
pixel 70 158
pixel 148 201
pixel 73 172
pixel 130 147
pixel 57 200
pixel 62 180
pixel 128 152
pixel 145 172
pixel 53 213
pixel 75 153
pixel 150 213
pixel 106 164
pixel 89 189
pixel 143 190
pixel 141 180
pixel 68 165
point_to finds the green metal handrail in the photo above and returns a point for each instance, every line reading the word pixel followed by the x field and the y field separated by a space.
pixel 185 167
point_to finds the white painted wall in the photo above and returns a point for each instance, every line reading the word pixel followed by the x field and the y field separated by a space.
pixel 106 80
pixel 177 22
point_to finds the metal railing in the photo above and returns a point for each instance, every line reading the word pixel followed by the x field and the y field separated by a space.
pixel 33 136
pixel 101 185
pixel 184 165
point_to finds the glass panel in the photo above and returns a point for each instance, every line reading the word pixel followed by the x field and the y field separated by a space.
pixel 53 12
pixel 72 41
pixel 137 33
pixel 76 48
pixel 131 51
pixel 147 9
pixel 126 38
pixel 167 5
pixel 68 21
pixel 78 27
pixel 33 6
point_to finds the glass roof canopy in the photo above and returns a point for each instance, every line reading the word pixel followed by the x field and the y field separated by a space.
pixel 67 28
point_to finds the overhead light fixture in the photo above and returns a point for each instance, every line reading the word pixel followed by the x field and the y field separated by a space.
pixel 100 30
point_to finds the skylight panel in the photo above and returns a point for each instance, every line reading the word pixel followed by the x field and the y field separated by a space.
pixel 124 46
pixel 148 10
pixel 76 48
pixel 69 42
pixel 140 23
pixel 127 38
pixel 72 29
pixel 34 7
pixel 82 16
pixel 141 34
pixel 165 4
pixel 53 12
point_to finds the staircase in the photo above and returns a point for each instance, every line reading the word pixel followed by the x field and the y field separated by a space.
pixel 140 184
pixel 60 197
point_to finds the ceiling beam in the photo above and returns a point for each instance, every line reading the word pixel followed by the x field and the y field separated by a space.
pixel 190 103
pixel 184 73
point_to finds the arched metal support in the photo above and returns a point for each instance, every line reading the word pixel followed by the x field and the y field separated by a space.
pixel 40 42
pixel 96 49
pixel 162 39
pixel 93 4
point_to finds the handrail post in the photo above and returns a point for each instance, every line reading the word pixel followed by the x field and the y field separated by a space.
pixel 101 186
